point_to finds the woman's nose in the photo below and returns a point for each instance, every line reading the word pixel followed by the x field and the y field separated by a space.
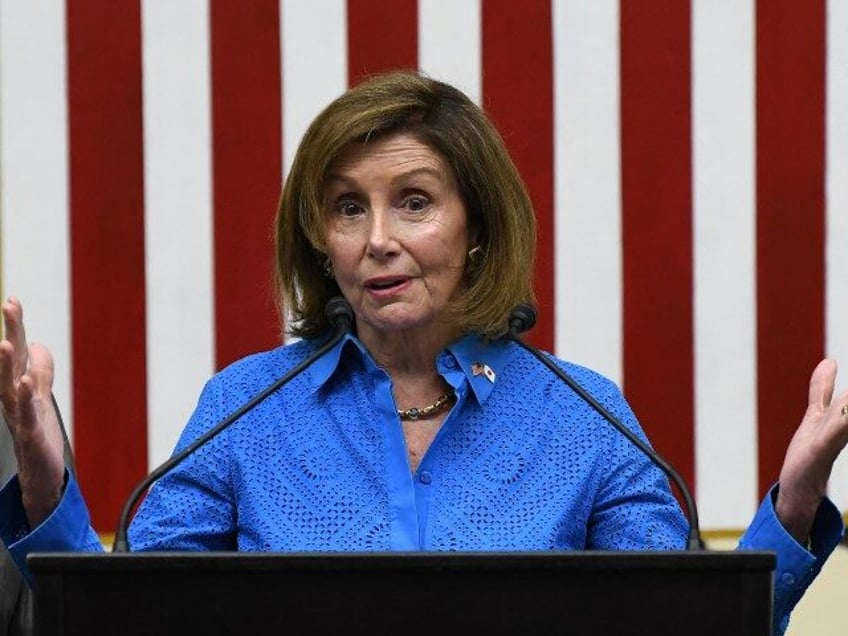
pixel 380 233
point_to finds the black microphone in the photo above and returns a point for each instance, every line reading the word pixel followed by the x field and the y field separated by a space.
pixel 522 318
pixel 339 314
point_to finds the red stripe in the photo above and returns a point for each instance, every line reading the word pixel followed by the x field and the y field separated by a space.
pixel 790 217
pixel 381 37
pixel 107 252
pixel 657 224
pixel 518 94
pixel 247 171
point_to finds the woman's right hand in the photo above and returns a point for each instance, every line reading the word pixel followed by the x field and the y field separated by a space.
pixel 26 385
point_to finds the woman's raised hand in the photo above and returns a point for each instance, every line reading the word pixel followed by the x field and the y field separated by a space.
pixel 26 384
pixel 817 442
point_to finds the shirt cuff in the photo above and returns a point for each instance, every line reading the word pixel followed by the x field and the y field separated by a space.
pixel 796 566
pixel 66 529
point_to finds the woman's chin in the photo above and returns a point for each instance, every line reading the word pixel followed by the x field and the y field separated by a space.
pixel 398 317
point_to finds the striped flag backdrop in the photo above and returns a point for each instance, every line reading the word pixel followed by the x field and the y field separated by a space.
pixel 688 161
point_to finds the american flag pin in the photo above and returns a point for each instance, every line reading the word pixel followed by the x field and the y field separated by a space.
pixel 480 368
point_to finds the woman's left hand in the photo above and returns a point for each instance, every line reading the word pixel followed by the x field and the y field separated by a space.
pixel 817 442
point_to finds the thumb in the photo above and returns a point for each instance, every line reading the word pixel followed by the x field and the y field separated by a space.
pixel 822 383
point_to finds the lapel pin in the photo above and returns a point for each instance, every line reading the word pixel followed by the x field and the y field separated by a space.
pixel 480 368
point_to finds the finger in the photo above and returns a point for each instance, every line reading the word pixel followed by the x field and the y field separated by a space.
pixel 840 403
pixel 822 383
pixel 26 393
pixel 33 405
pixel 41 369
pixel 13 319
pixel 7 374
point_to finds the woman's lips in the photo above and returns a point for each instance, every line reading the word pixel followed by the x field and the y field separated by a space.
pixel 387 286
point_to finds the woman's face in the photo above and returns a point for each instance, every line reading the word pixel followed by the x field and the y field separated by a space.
pixel 396 234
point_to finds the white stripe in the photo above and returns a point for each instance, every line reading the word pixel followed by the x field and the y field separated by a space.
pixel 449 43
pixel 724 206
pixel 314 65
pixel 34 177
pixel 178 215
pixel 837 214
pixel 314 50
pixel 587 185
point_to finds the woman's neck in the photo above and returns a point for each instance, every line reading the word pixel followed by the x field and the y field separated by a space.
pixel 406 354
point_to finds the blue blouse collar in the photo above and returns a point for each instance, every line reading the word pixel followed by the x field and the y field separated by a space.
pixel 481 360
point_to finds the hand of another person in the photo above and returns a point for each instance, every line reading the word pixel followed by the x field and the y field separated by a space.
pixel 26 384
pixel 817 442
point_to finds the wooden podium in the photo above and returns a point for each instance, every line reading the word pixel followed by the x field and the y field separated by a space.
pixel 597 593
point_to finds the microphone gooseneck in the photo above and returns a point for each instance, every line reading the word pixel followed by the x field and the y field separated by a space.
pixel 340 316
pixel 522 318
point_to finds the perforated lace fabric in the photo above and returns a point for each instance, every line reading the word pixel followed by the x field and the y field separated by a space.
pixel 521 463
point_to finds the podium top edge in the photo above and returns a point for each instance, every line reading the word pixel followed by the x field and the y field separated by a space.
pixel 47 562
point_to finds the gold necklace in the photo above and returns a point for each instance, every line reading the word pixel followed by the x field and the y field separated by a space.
pixel 435 407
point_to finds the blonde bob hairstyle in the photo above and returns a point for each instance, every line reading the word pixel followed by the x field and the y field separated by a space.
pixel 495 198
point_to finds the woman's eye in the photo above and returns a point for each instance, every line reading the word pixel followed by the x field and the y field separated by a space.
pixel 416 203
pixel 348 208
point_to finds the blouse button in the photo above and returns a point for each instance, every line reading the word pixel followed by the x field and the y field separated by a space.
pixel 425 477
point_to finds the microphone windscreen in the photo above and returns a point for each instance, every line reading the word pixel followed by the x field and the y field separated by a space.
pixel 339 312
pixel 522 318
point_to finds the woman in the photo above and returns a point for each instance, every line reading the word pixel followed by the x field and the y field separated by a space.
pixel 423 428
